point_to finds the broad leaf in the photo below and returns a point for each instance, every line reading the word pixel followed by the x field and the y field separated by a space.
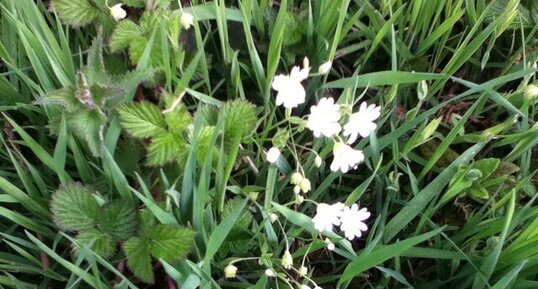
pixel 171 242
pixel 165 148
pixel 240 117
pixel 138 255
pixel 76 12
pixel 119 219
pixel 124 34
pixel 74 208
pixel 101 243
pixel 142 120
pixel 178 118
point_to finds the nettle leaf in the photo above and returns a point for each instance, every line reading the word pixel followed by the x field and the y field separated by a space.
pixel 89 126
pixel 137 251
pixel 76 12
pixel 486 166
pixel 119 219
pixel 171 242
pixel 101 243
pixel 240 117
pixel 142 120
pixel 95 70
pixel 123 35
pixel 179 118
pixel 74 208
pixel 64 97
pixel 165 148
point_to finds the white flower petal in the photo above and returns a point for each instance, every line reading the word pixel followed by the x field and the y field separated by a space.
pixel 324 117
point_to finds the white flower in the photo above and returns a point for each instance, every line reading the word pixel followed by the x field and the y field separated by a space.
pixel 273 154
pixel 117 12
pixel 352 221
pixel 362 122
pixel 187 20
pixel 317 287
pixel 531 91
pixel 303 271
pixel 270 273
pixel 345 157
pixel 287 260
pixel 305 185
pixel 273 217
pixel 291 92
pixel 327 216
pixel 325 67
pixel 318 161
pixel 324 117
pixel 230 271
pixel 296 178
pixel 303 286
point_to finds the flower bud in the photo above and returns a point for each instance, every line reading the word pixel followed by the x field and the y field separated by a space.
pixel 422 90
pixel 187 20
pixel 296 178
pixel 305 185
pixel 273 217
pixel 330 245
pixel 230 271
pixel 303 271
pixel 117 12
pixel 273 154
pixel 306 63
pixel 531 91
pixel 296 190
pixel 318 161
pixel 303 286
pixel 325 67
pixel 270 273
pixel 287 260
pixel 299 199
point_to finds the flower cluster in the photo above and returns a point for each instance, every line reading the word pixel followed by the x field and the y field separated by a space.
pixel 325 116
pixel 350 219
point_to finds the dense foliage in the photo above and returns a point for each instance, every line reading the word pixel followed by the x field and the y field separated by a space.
pixel 268 144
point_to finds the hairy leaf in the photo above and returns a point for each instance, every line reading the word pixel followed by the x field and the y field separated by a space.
pixel 165 148
pixel 138 255
pixel 101 243
pixel 142 120
pixel 119 219
pixel 76 13
pixel 171 242
pixel 74 208
pixel 124 34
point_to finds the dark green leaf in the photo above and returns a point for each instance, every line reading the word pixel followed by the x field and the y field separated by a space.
pixel 138 255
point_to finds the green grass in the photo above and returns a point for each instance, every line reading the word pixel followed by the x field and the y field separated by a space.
pixel 440 218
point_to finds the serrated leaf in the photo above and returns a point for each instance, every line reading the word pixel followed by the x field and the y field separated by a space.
pixel 178 118
pixel 64 97
pixel 74 208
pixel 119 219
pixel 142 120
pixel 171 242
pixel 209 113
pixel 246 217
pixel 95 70
pixel 204 148
pixel 138 46
pixel 165 148
pixel 486 166
pixel 137 251
pixel 89 126
pixel 101 243
pixel 75 13
pixel 240 117
pixel 124 34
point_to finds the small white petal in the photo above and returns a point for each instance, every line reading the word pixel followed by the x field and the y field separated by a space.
pixel 273 154
pixel 117 12
pixel 324 117
pixel 352 221
pixel 345 158
pixel 325 67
